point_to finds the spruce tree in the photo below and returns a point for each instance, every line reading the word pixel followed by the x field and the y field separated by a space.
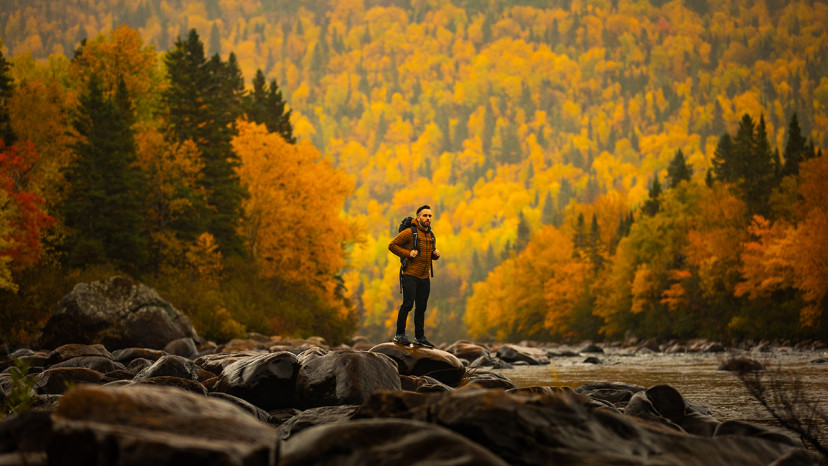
pixel 6 88
pixel 794 148
pixel 105 188
pixel 678 171
pixel 652 204
pixel 723 159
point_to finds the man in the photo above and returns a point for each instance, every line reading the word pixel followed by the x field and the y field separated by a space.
pixel 415 280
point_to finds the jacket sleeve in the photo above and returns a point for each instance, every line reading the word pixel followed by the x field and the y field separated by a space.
pixel 401 244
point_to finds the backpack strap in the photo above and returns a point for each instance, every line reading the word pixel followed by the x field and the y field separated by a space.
pixel 433 246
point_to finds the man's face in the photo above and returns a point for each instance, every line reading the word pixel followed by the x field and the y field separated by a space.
pixel 424 217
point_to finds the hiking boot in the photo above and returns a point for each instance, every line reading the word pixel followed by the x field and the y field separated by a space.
pixel 401 339
pixel 421 341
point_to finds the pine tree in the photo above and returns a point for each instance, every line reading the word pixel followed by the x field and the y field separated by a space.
pixel 678 171
pixel 794 148
pixel 6 88
pixel 652 204
pixel 204 99
pixel 523 233
pixel 723 159
pixel 105 188
pixel 265 105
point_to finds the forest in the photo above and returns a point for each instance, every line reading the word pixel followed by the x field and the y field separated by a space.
pixel 597 169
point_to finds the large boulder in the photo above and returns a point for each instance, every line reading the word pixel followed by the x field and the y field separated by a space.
pixel 142 424
pixel 265 380
pixel 344 377
pixel 664 404
pixel 117 313
pixel 383 441
pixel 170 366
pixel 441 365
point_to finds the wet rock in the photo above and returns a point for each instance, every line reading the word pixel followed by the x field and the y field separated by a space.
pixel 714 348
pixel 143 424
pixel 514 353
pixel 616 393
pixel 58 380
pixel 117 313
pixel 311 353
pixel 314 417
pixel 96 363
pixel 216 362
pixel 591 348
pixel 741 364
pixel 254 410
pixel 819 361
pixel 75 350
pixel 118 375
pixel 486 379
pixel 240 345
pixel 184 347
pixel 423 384
pixel 137 365
pixel 592 360
pixel 668 406
pixel 265 380
pixel 170 366
pixel 488 361
pixel 467 350
pixel 416 360
pixel 383 441
pixel 344 377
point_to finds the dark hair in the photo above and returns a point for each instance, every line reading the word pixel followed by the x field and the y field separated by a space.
pixel 423 207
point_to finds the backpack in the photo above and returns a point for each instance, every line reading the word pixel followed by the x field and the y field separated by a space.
pixel 406 223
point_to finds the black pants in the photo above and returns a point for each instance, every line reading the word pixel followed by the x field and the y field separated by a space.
pixel 415 291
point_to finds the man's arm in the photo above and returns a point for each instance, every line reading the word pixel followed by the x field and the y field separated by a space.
pixel 401 244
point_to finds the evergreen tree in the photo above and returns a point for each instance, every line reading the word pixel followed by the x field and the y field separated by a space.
pixel 215 40
pixel 757 179
pixel 265 105
pixel 204 100
pixel 652 204
pixel 6 87
pixel 678 171
pixel 523 234
pixel 595 245
pixel 105 188
pixel 723 159
pixel 794 148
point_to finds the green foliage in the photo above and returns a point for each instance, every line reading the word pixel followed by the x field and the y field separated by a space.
pixel 20 394
pixel 6 89
pixel 265 105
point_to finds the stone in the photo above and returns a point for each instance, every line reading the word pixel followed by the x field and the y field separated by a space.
pixel 344 377
pixel 184 347
pixel 616 393
pixel 75 350
pixel 117 313
pixel 58 380
pixel 416 360
pixel 591 348
pixel 216 362
pixel 265 380
pixel 314 417
pixel 487 379
pixel 143 424
pixel 127 355
pixel 383 441
pixel 254 410
pixel 592 360
pixel 669 404
pixel 96 363
pixel 170 366
pixel 466 350
pixel 514 353
pixel 189 385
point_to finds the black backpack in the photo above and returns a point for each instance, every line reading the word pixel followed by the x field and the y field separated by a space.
pixel 406 223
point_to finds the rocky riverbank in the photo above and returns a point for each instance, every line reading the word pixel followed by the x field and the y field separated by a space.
pixel 272 400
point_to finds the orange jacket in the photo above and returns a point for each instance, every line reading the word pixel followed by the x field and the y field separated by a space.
pixel 402 245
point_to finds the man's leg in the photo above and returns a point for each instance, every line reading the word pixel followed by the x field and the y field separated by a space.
pixel 409 287
pixel 421 298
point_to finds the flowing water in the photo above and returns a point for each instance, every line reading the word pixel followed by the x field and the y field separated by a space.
pixel 694 375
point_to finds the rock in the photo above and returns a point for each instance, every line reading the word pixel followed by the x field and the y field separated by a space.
pixel 416 360
pixel 488 361
pixel 612 392
pixel 344 377
pixel 316 416
pixel 423 384
pixel 532 429
pixel 25 432
pixel 714 348
pixel 184 347
pixel 486 379
pixel 592 360
pixel 96 363
pixel 118 375
pixel 755 430
pixel 216 363
pixel 265 380
pixel 117 313
pixel 74 350
pixel 741 364
pixel 58 380
pixel 189 385
pixel 383 441
pixel 142 424
pixel 170 366
pixel 137 365
pixel 127 355
pixel 663 403
pixel 514 353
pixel 591 348
pixel 254 410
pixel 819 361
pixel 466 350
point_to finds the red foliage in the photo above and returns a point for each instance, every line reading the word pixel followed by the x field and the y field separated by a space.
pixel 28 220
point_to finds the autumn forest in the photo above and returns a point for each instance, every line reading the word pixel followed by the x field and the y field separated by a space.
pixel 597 169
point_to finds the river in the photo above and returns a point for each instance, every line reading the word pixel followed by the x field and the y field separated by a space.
pixel 694 375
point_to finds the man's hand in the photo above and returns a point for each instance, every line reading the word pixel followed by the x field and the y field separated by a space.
pixel 413 253
pixel 436 254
